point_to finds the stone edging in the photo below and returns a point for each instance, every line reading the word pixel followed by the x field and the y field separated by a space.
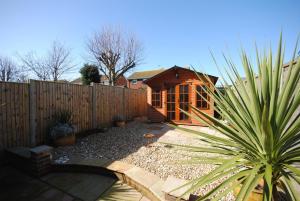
pixel 143 181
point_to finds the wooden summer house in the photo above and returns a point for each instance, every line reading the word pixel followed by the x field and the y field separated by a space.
pixel 175 89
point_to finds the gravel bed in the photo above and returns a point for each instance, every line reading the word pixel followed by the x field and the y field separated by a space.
pixel 129 145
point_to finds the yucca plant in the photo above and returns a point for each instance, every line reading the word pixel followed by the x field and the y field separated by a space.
pixel 261 143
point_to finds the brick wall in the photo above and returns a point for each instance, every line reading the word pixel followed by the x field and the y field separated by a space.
pixel 139 84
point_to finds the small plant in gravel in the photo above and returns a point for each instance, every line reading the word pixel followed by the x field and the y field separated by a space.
pixel 62 126
pixel 260 148
pixel 119 120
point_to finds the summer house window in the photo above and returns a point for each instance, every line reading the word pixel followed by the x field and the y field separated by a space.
pixel 201 103
pixel 156 98
pixel 134 81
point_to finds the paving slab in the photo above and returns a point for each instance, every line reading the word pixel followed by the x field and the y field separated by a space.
pixel 142 177
pixel 156 189
pixel 16 185
pixel 118 166
pixel 173 183
pixel 87 187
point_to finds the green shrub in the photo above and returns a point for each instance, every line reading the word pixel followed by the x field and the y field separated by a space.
pixel 89 73
pixel 261 139
pixel 62 125
pixel 118 118
pixel 63 117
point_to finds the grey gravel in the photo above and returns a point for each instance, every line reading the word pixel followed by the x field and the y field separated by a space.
pixel 129 145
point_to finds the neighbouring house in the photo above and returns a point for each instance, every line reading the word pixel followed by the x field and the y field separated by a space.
pixel 122 81
pixel 175 89
pixel 136 80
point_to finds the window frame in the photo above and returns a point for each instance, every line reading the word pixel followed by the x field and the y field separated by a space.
pixel 201 100
pixel 134 81
pixel 155 93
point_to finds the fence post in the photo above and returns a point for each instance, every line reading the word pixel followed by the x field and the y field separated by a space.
pixel 145 110
pixel 32 111
pixel 94 106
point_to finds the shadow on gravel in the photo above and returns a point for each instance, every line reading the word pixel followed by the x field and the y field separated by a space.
pixel 114 144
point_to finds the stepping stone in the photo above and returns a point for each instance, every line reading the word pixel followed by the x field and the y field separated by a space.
pixel 155 127
pixel 152 135
pixel 149 136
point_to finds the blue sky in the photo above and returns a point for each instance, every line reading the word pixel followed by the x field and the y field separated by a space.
pixel 177 32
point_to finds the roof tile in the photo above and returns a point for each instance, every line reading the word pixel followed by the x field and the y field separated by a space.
pixel 145 74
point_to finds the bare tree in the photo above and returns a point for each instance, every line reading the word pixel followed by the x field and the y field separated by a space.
pixel 9 71
pixel 52 66
pixel 37 65
pixel 114 52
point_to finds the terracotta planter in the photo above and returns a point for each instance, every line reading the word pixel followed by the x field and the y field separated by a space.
pixel 64 141
pixel 256 194
pixel 137 118
pixel 120 123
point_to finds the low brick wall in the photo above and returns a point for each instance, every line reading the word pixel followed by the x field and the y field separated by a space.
pixel 35 161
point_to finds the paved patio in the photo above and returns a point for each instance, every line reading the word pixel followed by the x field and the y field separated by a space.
pixel 16 185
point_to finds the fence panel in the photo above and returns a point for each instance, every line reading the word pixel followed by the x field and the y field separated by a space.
pixel 14 115
pixel 52 97
pixel 27 109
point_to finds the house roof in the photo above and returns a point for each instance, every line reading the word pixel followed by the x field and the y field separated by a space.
pixel 215 79
pixel 145 74
pixel 76 81
pixel 103 78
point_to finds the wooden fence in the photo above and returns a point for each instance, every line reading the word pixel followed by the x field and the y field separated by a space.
pixel 27 109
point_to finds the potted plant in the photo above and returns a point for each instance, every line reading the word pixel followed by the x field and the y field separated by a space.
pixel 119 121
pixel 260 149
pixel 137 118
pixel 102 128
pixel 62 132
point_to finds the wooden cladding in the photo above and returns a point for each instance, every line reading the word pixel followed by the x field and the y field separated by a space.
pixel 179 93
pixel 27 109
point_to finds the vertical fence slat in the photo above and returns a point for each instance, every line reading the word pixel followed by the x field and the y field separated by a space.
pixel 32 111
pixel 27 109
